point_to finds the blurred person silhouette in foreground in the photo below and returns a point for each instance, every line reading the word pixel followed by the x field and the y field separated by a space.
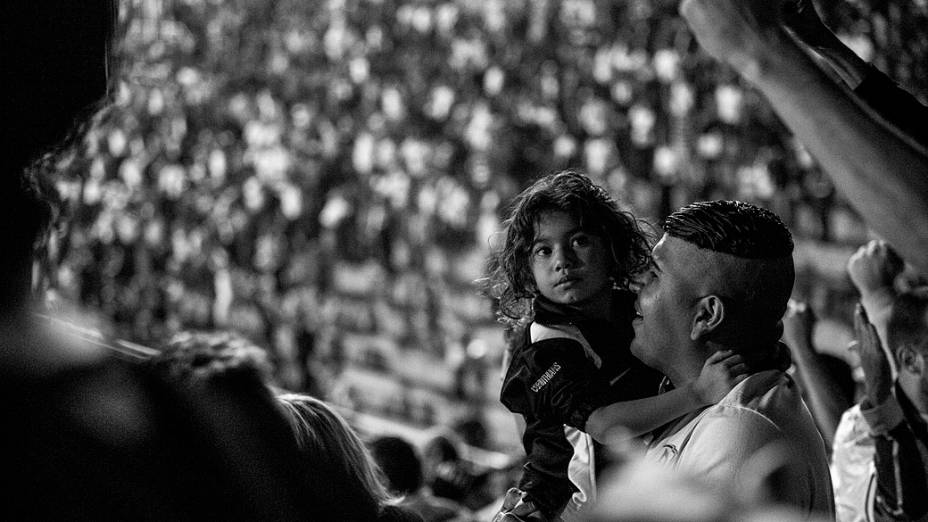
pixel 90 432
pixel 327 441
pixel 720 279
pixel 403 470
pixel 871 144
pixel 222 381
pixel 633 490
pixel 880 454
pixel 93 434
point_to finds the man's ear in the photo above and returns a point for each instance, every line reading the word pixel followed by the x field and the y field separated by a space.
pixel 910 360
pixel 708 317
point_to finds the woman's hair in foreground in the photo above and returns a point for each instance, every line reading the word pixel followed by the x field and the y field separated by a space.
pixel 325 435
pixel 509 276
pixel 193 355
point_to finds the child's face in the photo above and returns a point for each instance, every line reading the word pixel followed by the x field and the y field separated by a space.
pixel 570 265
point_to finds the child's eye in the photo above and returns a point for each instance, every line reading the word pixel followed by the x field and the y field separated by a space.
pixel 541 251
pixel 581 240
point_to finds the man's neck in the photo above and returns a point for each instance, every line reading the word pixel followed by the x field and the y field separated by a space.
pixel 686 368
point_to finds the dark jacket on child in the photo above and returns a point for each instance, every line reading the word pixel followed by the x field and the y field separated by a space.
pixel 562 368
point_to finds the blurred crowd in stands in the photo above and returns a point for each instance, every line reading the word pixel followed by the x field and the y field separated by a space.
pixel 253 147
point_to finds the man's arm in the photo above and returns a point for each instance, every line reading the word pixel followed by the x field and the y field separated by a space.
pixel 876 89
pixel 882 172
pixel 822 390
pixel 873 268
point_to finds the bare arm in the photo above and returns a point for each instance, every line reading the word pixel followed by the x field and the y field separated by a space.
pixel 824 395
pixel 873 268
pixel 882 172
pixel 721 372
pixel 870 85
pixel 641 416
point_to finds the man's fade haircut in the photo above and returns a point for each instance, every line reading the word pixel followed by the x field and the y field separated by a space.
pixel 759 289
pixel 732 227
pixel 510 279
pixel 908 321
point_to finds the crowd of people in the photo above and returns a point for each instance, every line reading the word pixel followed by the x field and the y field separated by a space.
pixel 220 191
pixel 251 148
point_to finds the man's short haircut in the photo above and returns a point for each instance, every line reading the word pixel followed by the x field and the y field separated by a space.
pixel 908 321
pixel 757 280
pixel 732 227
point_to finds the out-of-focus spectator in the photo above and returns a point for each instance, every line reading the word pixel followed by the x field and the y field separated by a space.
pixel 225 393
pixel 228 188
pixel 873 270
pixel 446 474
pixel 402 468
pixel 880 454
pixel 325 438
pixel 827 381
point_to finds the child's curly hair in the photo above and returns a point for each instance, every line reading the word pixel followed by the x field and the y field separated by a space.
pixel 509 277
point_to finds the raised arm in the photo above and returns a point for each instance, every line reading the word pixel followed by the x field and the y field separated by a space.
pixel 873 269
pixel 826 400
pixel 870 85
pixel 882 172
pixel 900 469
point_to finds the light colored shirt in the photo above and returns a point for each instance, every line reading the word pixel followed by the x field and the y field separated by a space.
pixel 879 467
pixel 760 432
pixel 852 468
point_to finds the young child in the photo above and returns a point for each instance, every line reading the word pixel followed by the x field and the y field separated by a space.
pixel 562 285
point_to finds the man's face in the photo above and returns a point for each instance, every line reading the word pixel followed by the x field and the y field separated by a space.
pixel 570 265
pixel 665 303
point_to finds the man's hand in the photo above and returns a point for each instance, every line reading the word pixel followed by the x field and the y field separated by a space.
pixel 516 509
pixel 722 371
pixel 878 378
pixel 874 266
pixel 740 33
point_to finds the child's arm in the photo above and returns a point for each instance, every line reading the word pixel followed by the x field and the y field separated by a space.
pixel 721 372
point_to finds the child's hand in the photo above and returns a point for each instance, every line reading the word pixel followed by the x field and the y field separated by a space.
pixel 722 371
pixel 516 510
